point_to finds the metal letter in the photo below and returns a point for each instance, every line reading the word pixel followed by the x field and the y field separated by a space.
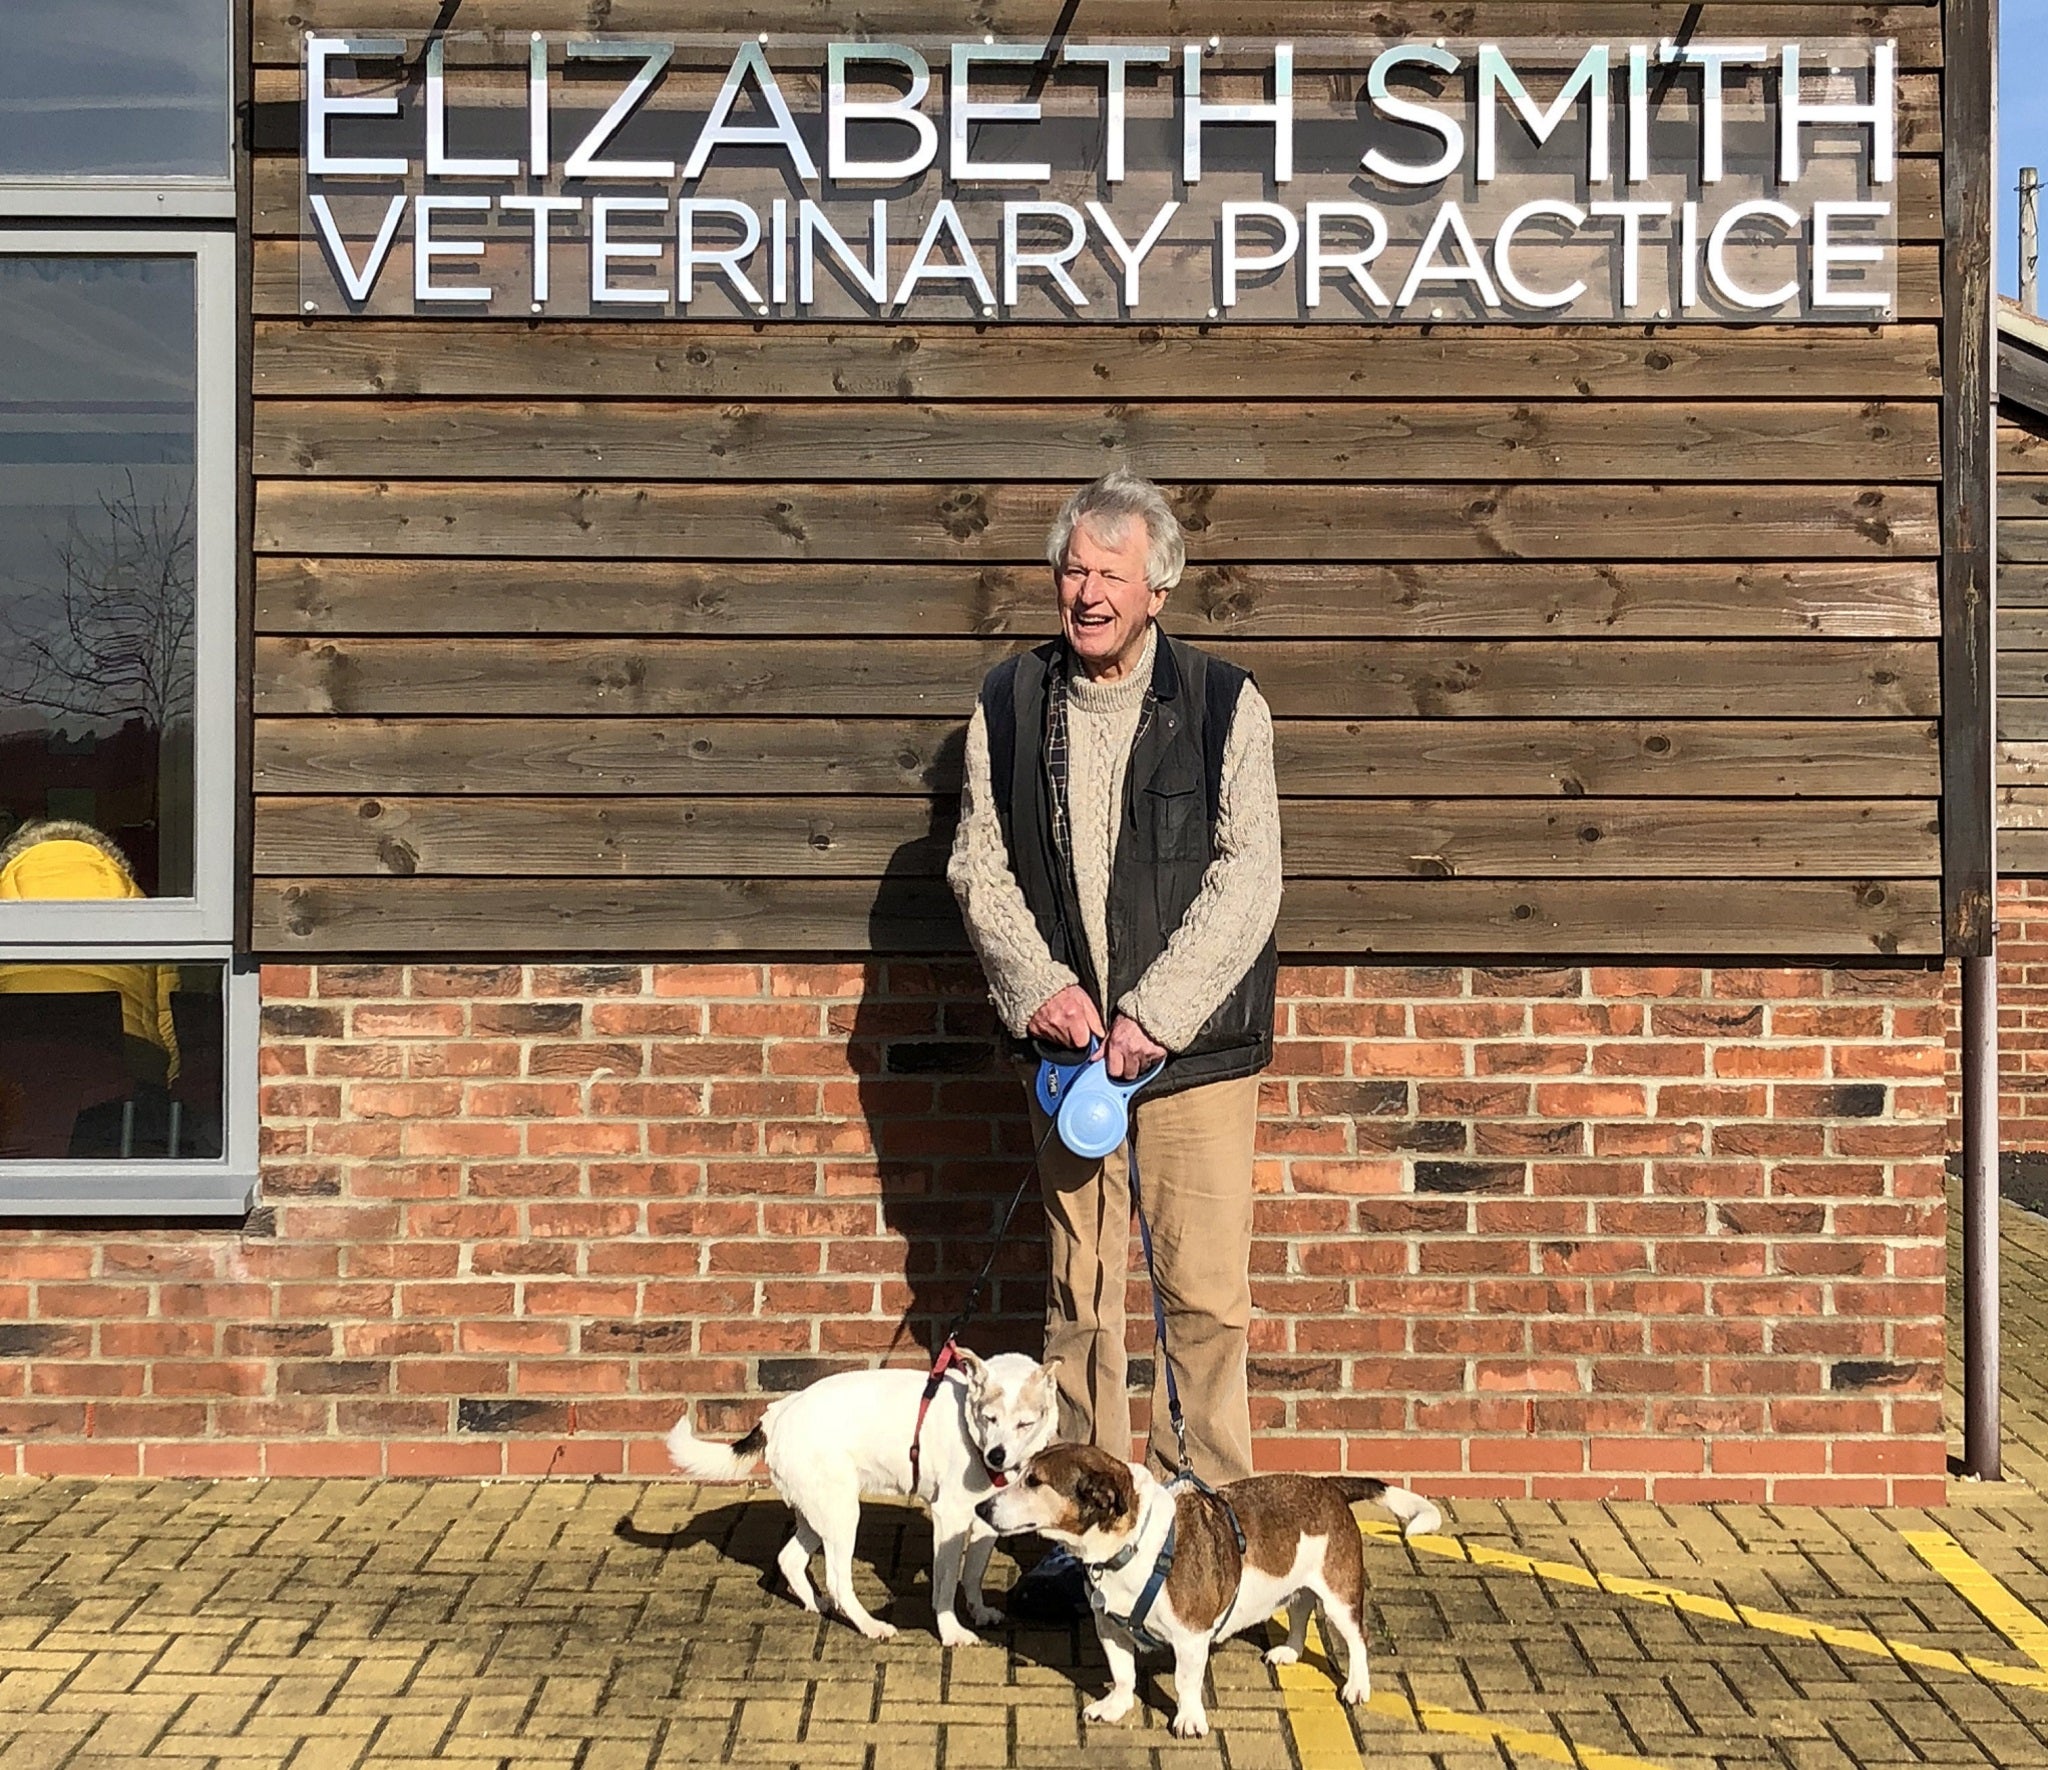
pixel 1638 112
pixel 962 110
pixel 425 249
pixel 322 104
pixel 603 249
pixel 689 255
pixel 945 219
pixel 653 56
pixel 1504 244
pixel 1235 260
pixel 1497 77
pixel 1449 129
pixel 1054 264
pixel 440 163
pixel 537 106
pixel 1449 219
pixel 1631 215
pixel 1128 255
pixel 1711 59
pixel 840 110
pixel 541 208
pixel 873 280
pixel 1879 113
pixel 1352 263
pixel 1114 59
pixel 357 283
pixel 1829 252
pixel 1717 259
pixel 1194 113
pixel 781 133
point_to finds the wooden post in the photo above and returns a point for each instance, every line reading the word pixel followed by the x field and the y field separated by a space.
pixel 1969 687
pixel 1968 352
pixel 2030 238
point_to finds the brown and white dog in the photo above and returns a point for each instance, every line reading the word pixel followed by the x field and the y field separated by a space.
pixel 1301 1547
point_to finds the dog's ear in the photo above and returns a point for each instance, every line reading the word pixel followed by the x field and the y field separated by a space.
pixel 1099 1499
pixel 977 1372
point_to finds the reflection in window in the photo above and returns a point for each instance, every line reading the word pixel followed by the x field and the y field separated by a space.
pixel 111 1059
pixel 115 88
pixel 97 529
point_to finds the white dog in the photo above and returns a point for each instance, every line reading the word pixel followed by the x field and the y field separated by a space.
pixel 1167 1569
pixel 849 1435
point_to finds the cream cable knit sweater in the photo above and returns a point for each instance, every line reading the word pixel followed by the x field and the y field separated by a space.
pixel 1225 926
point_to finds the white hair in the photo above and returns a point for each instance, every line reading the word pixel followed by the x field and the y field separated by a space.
pixel 1106 506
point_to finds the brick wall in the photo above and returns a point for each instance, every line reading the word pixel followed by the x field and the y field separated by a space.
pixel 1606 1231
pixel 2022 1020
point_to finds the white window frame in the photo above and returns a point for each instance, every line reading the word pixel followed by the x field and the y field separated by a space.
pixel 198 929
pixel 209 913
pixel 220 1186
pixel 191 196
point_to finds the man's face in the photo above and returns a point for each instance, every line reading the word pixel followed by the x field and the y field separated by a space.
pixel 1105 603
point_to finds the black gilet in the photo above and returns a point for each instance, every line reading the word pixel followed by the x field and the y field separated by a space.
pixel 1172 792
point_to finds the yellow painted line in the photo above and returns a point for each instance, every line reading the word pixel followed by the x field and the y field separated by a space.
pixel 1986 1594
pixel 1776 1622
pixel 1323 1739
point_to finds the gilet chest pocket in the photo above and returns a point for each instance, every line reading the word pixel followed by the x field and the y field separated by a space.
pixel 1178 819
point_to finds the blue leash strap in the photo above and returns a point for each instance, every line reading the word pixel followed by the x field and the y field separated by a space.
pixel 1173 1408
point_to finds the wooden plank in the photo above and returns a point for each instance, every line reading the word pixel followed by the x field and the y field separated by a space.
pixel 2022 586
pixel 808 837
pixel 2023 808
pixel 1474 918
pixel 2023 496
pixel 2021 673
pixel 2022 764
pixel 1814 678
pixel 1007 523
pixel 278 26
pixel 2022 854
pixel 2022 376
pixel 2023 718
pixel 610 360
pixel 274 292
pixel 1883 599
pixel 1969 341
pixel 2022 542
pixel 2021 628
pixel 1803 758
pixel 1425 439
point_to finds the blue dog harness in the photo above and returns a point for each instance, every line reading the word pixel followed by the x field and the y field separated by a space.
pixel 1134 1624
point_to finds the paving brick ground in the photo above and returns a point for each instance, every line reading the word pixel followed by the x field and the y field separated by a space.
pixel 353 1623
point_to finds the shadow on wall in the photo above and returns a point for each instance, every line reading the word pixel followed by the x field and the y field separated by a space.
pixel 945 1109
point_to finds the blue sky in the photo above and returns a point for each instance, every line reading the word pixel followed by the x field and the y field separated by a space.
pixel 2022 120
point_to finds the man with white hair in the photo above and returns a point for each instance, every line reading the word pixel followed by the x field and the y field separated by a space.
pixel 1118 868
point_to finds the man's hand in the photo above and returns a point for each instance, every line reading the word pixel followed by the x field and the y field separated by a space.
pixel 1066 1018
pixel 1131 1049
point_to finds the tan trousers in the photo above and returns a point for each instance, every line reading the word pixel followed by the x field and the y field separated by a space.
pixel 1195 1169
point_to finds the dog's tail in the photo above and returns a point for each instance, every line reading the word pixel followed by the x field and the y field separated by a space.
pixel 1415 1515
pixel 714 1462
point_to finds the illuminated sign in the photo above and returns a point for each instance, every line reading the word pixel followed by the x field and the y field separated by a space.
pixel 1203 180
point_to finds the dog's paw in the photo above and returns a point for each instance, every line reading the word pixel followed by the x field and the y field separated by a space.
pixel 877 1631
pixel 1358 1690
pixel 1191 1724
pixel 1283 1655
pixel 955 1633
pixel 1112 1707
pixel 984 1616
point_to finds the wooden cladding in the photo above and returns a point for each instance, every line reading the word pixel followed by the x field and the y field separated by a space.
pixel 655 636
pixel 2022 641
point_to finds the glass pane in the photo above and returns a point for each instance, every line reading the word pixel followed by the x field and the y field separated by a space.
pixel 98 404
pixel 105 1060
pixel 119 88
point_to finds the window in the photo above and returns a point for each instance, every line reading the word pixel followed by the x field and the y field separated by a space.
pixel 116 107
pixel 127 1023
